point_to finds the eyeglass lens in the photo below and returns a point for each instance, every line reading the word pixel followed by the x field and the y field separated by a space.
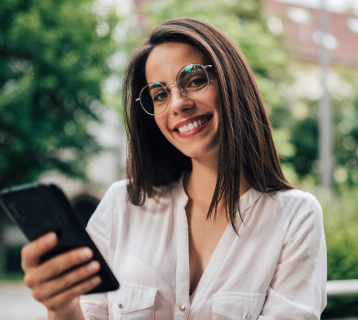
pixel 192 81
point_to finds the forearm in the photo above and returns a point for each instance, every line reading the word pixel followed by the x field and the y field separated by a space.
pixel 77 314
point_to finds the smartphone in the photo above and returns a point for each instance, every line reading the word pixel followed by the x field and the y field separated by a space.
pixel 40 208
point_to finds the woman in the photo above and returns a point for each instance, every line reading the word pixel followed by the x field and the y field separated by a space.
pixel 206 227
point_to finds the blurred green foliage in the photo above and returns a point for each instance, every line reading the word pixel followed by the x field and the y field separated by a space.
pixel 294 114
pixel 52 61
pixel 341 225
pixel 243 21
pixel 304 134
pixel 54 55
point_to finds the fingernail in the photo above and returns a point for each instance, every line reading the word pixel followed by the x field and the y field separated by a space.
pixel 51 238
pixel 85 254
pixel 93 266
pixel 96 280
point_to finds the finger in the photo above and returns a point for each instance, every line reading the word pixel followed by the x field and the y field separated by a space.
pixel 56 302
pixel 63 283
pixel 59 264
pixel 31 253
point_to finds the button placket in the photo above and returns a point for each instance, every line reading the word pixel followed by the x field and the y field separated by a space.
pixel 183 275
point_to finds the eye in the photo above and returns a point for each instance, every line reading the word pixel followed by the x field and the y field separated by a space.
pixel 197 82
pixel 160 96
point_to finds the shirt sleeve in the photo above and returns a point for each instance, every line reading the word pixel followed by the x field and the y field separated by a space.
pixel 95 306
pixel 298 287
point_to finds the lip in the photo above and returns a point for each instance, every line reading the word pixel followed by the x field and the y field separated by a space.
pixel 195 130
pixel 190 120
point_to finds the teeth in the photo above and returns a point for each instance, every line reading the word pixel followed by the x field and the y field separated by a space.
pixel 193 125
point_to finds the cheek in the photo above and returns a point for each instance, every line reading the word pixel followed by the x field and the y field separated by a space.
pixel 213 98
pixel 162 124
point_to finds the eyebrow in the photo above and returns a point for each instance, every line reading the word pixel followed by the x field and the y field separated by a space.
pixel 155 85
pixel 182 75
pixel 186 71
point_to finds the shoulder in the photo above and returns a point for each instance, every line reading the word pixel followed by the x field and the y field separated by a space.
pixel 116 193
pixel 292 209
pixel 118 188
pixel 294 195
pixel 117 196
pixel 305 212
pixel 292 200
pixel 115 206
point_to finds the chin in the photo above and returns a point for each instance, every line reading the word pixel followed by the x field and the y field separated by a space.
pixel 201 152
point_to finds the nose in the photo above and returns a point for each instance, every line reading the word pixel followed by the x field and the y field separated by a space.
pixel 178 102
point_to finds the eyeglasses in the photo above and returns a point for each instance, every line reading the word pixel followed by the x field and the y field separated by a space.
pixel 192 81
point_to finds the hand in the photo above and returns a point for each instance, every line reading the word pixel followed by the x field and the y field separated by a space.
pixel 57 289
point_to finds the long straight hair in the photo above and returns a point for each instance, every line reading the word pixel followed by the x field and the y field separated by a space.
pixel 246 143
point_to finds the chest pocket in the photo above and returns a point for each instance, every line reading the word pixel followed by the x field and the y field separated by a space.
pixel 133 301
pixel 237 305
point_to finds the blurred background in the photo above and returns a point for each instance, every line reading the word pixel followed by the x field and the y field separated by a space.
pixel 61 70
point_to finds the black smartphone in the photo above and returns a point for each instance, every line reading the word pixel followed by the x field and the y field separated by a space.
pixel 40 208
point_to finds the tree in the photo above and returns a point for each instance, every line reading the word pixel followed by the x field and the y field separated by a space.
pixel 294 117
pixel 243 21
pixel 52 61
pixel 304 128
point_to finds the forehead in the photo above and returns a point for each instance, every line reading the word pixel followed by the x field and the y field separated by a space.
pixel 167 59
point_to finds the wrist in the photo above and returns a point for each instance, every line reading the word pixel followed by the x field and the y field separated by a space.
pixel 75 314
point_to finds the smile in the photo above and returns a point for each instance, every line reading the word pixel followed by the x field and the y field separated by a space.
pixel 192 125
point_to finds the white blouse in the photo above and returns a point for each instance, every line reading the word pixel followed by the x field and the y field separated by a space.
pixel 274 269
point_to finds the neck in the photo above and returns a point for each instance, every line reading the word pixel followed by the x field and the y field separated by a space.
pixel 200 183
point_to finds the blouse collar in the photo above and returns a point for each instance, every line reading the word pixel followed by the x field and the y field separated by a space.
pixel 181 198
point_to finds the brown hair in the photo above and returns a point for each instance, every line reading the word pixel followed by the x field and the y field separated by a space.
pixel 246 143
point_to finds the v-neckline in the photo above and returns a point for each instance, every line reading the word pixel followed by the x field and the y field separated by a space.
pixel 213 265
pixel 216 259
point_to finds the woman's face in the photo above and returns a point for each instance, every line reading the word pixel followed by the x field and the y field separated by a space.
pixel 162 66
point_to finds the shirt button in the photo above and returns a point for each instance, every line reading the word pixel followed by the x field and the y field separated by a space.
pixel 182 308
pixel 247 316
pixel 120 306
